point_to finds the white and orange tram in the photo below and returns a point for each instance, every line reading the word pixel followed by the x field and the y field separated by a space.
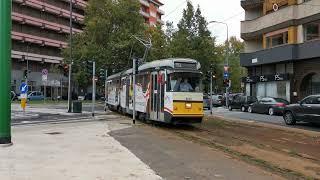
pixel 167 90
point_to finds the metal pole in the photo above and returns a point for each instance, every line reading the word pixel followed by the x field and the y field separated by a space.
pixel 5 71
pixel 93 86
pixel 27 59
pixel 227 63
pixel 105 90
pixel 71 61
pixel 211 108
pixel 134 91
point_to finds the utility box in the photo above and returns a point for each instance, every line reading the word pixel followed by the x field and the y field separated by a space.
pixel 77 107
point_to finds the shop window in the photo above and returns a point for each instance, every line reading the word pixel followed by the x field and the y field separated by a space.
pixel 310 85
pixel 311 31
pixel 277 40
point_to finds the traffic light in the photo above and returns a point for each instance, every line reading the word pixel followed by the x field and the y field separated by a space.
pixel 136 61
pixel 66 70
pixel 102 74
pixel 227 82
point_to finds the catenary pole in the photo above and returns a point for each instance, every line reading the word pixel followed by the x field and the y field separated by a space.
pixel 71 61
pixel 5 71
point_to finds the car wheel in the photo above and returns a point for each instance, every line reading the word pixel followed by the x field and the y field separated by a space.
pixel 289 119
pixel 271 111
pixel 250 109
pixel 230 108
pixel 243 109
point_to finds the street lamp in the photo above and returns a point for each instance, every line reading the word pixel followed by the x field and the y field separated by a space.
pixel 227 56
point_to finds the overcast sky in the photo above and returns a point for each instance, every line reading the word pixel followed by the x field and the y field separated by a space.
pixel 228 11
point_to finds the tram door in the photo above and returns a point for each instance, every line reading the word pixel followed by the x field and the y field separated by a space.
pixel 157 96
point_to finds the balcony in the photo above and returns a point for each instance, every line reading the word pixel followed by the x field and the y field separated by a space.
pixel 35 57
pixel 38 40
pixel 144 2
pixel 45 7
pixel 144 14
pixel 24 19
pixel 290 52
pixel 160 11
pixel 289 16
pixel 78 3
pixel 250 4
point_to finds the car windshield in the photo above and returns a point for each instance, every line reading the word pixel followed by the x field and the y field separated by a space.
pixel 252 99
pixel 184 82
pixel 281 100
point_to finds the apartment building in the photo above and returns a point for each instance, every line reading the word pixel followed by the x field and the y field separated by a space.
pixel 40 30
pixel 282 48
pixel 151 12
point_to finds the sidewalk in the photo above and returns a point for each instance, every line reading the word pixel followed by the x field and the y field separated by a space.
pixel 69 151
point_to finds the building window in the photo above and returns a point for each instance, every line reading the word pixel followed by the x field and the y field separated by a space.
pixel 277 40
pixel 311 31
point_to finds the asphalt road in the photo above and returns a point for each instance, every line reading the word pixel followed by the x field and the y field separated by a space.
pixel 176 158
pixel 278 120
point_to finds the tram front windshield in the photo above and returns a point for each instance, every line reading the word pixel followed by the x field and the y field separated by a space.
pixel 184 82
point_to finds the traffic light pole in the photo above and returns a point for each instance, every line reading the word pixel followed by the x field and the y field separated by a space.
pixel 5 72
pixel 211 108
pixel 93 86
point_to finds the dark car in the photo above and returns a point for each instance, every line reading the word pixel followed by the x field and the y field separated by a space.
pixel 268 105
pixel 88 96
pixel 307 110
pixel 242 102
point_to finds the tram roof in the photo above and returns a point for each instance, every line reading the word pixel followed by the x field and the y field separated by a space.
pixel 167 63
pixel 158 64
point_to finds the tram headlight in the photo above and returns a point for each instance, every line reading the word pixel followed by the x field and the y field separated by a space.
pixel 188 105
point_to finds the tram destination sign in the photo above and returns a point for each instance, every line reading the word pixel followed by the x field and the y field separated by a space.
pixel 183 65
pixel 266 78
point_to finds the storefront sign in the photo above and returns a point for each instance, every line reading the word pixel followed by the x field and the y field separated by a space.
pixel 266 78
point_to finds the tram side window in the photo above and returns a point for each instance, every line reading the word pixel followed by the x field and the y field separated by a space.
pixel 183 82
pixel 143 81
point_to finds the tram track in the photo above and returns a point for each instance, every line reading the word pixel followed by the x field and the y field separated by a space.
pixel 207 137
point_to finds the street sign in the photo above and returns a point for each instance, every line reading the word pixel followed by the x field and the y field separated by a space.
pixel 23 88
pixel 226 75
pixel 44 78
pixel 44 71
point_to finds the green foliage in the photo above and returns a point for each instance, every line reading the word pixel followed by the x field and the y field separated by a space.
pixel 109 26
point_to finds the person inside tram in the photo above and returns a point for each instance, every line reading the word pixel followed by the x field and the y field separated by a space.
pixel 185 86
pixel 177 85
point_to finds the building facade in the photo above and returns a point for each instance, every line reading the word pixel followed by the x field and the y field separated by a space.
pixel 40 30
pixel 282 48
pixel 151 12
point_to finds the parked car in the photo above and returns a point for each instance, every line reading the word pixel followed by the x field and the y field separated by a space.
pixel 206 101
pixel 217 100
pixel 241 102
pixel 268 105
pixel 35 95
pixel 307 110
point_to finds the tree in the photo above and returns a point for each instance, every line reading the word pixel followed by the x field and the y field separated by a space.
pixel 107 36
pixel 236 71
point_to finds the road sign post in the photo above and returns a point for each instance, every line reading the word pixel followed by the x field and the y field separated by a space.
pixel 44 81
pixel 5 71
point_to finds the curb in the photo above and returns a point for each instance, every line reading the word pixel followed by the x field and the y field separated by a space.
pixel 262 124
